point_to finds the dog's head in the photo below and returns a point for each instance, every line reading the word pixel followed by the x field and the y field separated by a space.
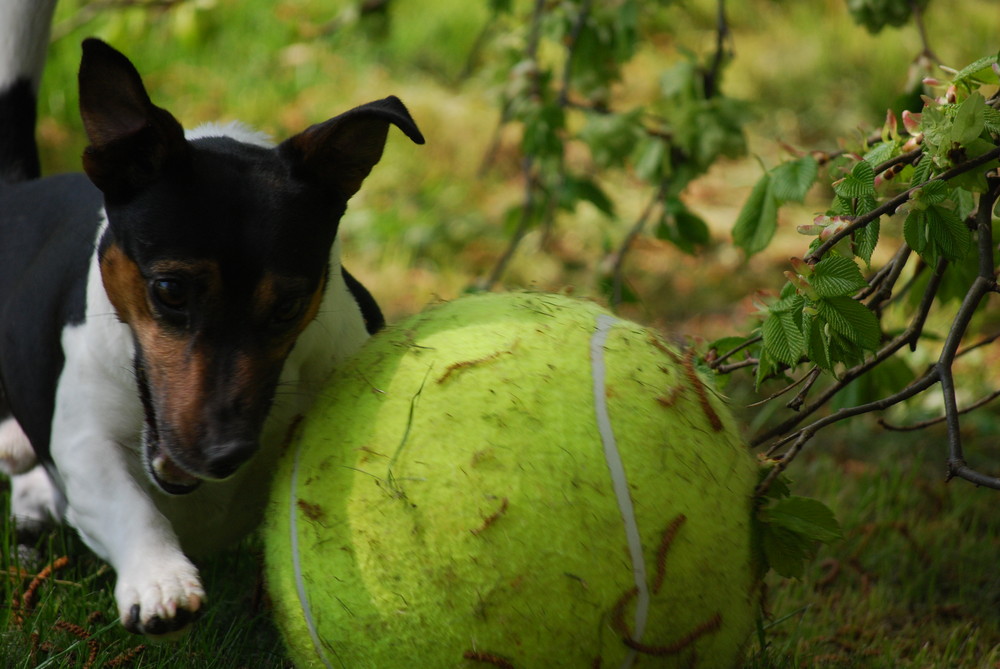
pixel 216 255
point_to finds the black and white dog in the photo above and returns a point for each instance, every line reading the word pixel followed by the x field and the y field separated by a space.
pixel 164 318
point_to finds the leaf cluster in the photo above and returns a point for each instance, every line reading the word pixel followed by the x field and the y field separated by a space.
pixel 934 179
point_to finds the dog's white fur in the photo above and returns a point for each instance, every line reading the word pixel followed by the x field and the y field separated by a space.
pixel 103 489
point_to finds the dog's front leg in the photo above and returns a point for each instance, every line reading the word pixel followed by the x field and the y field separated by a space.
pixel 158 590
pixel 95 440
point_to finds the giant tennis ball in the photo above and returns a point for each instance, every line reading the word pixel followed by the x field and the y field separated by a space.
pixel 517 480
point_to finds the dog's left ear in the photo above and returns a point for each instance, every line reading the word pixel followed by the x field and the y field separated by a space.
pixel 342 151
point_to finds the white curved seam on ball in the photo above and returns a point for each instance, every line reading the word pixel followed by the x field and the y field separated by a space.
pixel 619 481
pixel 300 585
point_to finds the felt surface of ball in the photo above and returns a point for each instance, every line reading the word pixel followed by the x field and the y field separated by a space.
pixel 514 480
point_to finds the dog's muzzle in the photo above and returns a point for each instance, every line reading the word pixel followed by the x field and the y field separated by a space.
pixel 166 473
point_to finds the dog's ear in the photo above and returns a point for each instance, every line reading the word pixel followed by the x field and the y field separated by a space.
pixel 132 141
pixel 340 153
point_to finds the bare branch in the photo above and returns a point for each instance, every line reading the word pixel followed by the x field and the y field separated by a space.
pixel 984 284
pixel 618 271
pixel 716 363
pixel 913 427
pixel 805 434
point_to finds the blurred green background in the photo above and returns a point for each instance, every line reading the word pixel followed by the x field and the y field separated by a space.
pixel 428 222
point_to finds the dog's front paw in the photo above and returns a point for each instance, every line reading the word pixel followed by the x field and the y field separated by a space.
pixel 160 598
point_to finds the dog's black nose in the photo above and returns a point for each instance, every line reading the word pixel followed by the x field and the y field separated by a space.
pixel 223 459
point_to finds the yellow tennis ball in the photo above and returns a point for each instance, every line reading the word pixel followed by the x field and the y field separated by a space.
pixel 517 480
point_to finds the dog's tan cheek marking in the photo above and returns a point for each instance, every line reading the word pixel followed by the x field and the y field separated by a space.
pixel 174 367
pixel 125 286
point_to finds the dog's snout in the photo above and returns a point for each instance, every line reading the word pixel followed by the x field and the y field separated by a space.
pixel 223 459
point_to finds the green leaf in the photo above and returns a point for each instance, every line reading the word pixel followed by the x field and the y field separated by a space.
pixel 779 486
pixel 806 517
pixel 792 303
pixel 612 137
pixel 981 70
pixel 680 226
pixel 922 171
pixel 970 119
pixel 931 193
pixel 791 181
pixel 865 241
pixel 783 337
pixel 724 345
pixel 818 343
pixel 991 118
pixel 837 275
pixel 882 152
pixel 652 159
pixel 766 366
pixel 758 219
pixel 575 189
pixel 949 233
pixel 859 183
pixel 785 551
pixel 853 320
pixel 915 232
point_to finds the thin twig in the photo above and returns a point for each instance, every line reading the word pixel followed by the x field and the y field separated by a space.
pixel 796 402
pixel 742 364
pixel 715 364
pixel 618 270
pixel 527 165
pixel 913 427
pixel 779 393
pixel 805 434
pixel 918 20
pixel 574 36
pixel 714 72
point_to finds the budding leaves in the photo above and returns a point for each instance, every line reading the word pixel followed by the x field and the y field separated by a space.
pixel 818 318
pixel 859 183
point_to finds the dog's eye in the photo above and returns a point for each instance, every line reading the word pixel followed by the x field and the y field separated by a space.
pixel 169 293
pixel 287 311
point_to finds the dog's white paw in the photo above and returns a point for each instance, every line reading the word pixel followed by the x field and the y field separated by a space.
pixel 16 454
pixel 161 597
pixel 35 503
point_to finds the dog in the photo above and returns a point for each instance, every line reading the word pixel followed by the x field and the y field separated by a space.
pixel 165 317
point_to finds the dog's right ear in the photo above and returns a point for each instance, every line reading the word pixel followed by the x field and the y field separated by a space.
pixel 132 141
pixel 341 152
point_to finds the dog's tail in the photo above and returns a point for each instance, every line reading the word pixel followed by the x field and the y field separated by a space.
pixel 24 41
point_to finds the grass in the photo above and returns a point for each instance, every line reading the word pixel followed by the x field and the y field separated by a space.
pixel 67 618
pixel 914 583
